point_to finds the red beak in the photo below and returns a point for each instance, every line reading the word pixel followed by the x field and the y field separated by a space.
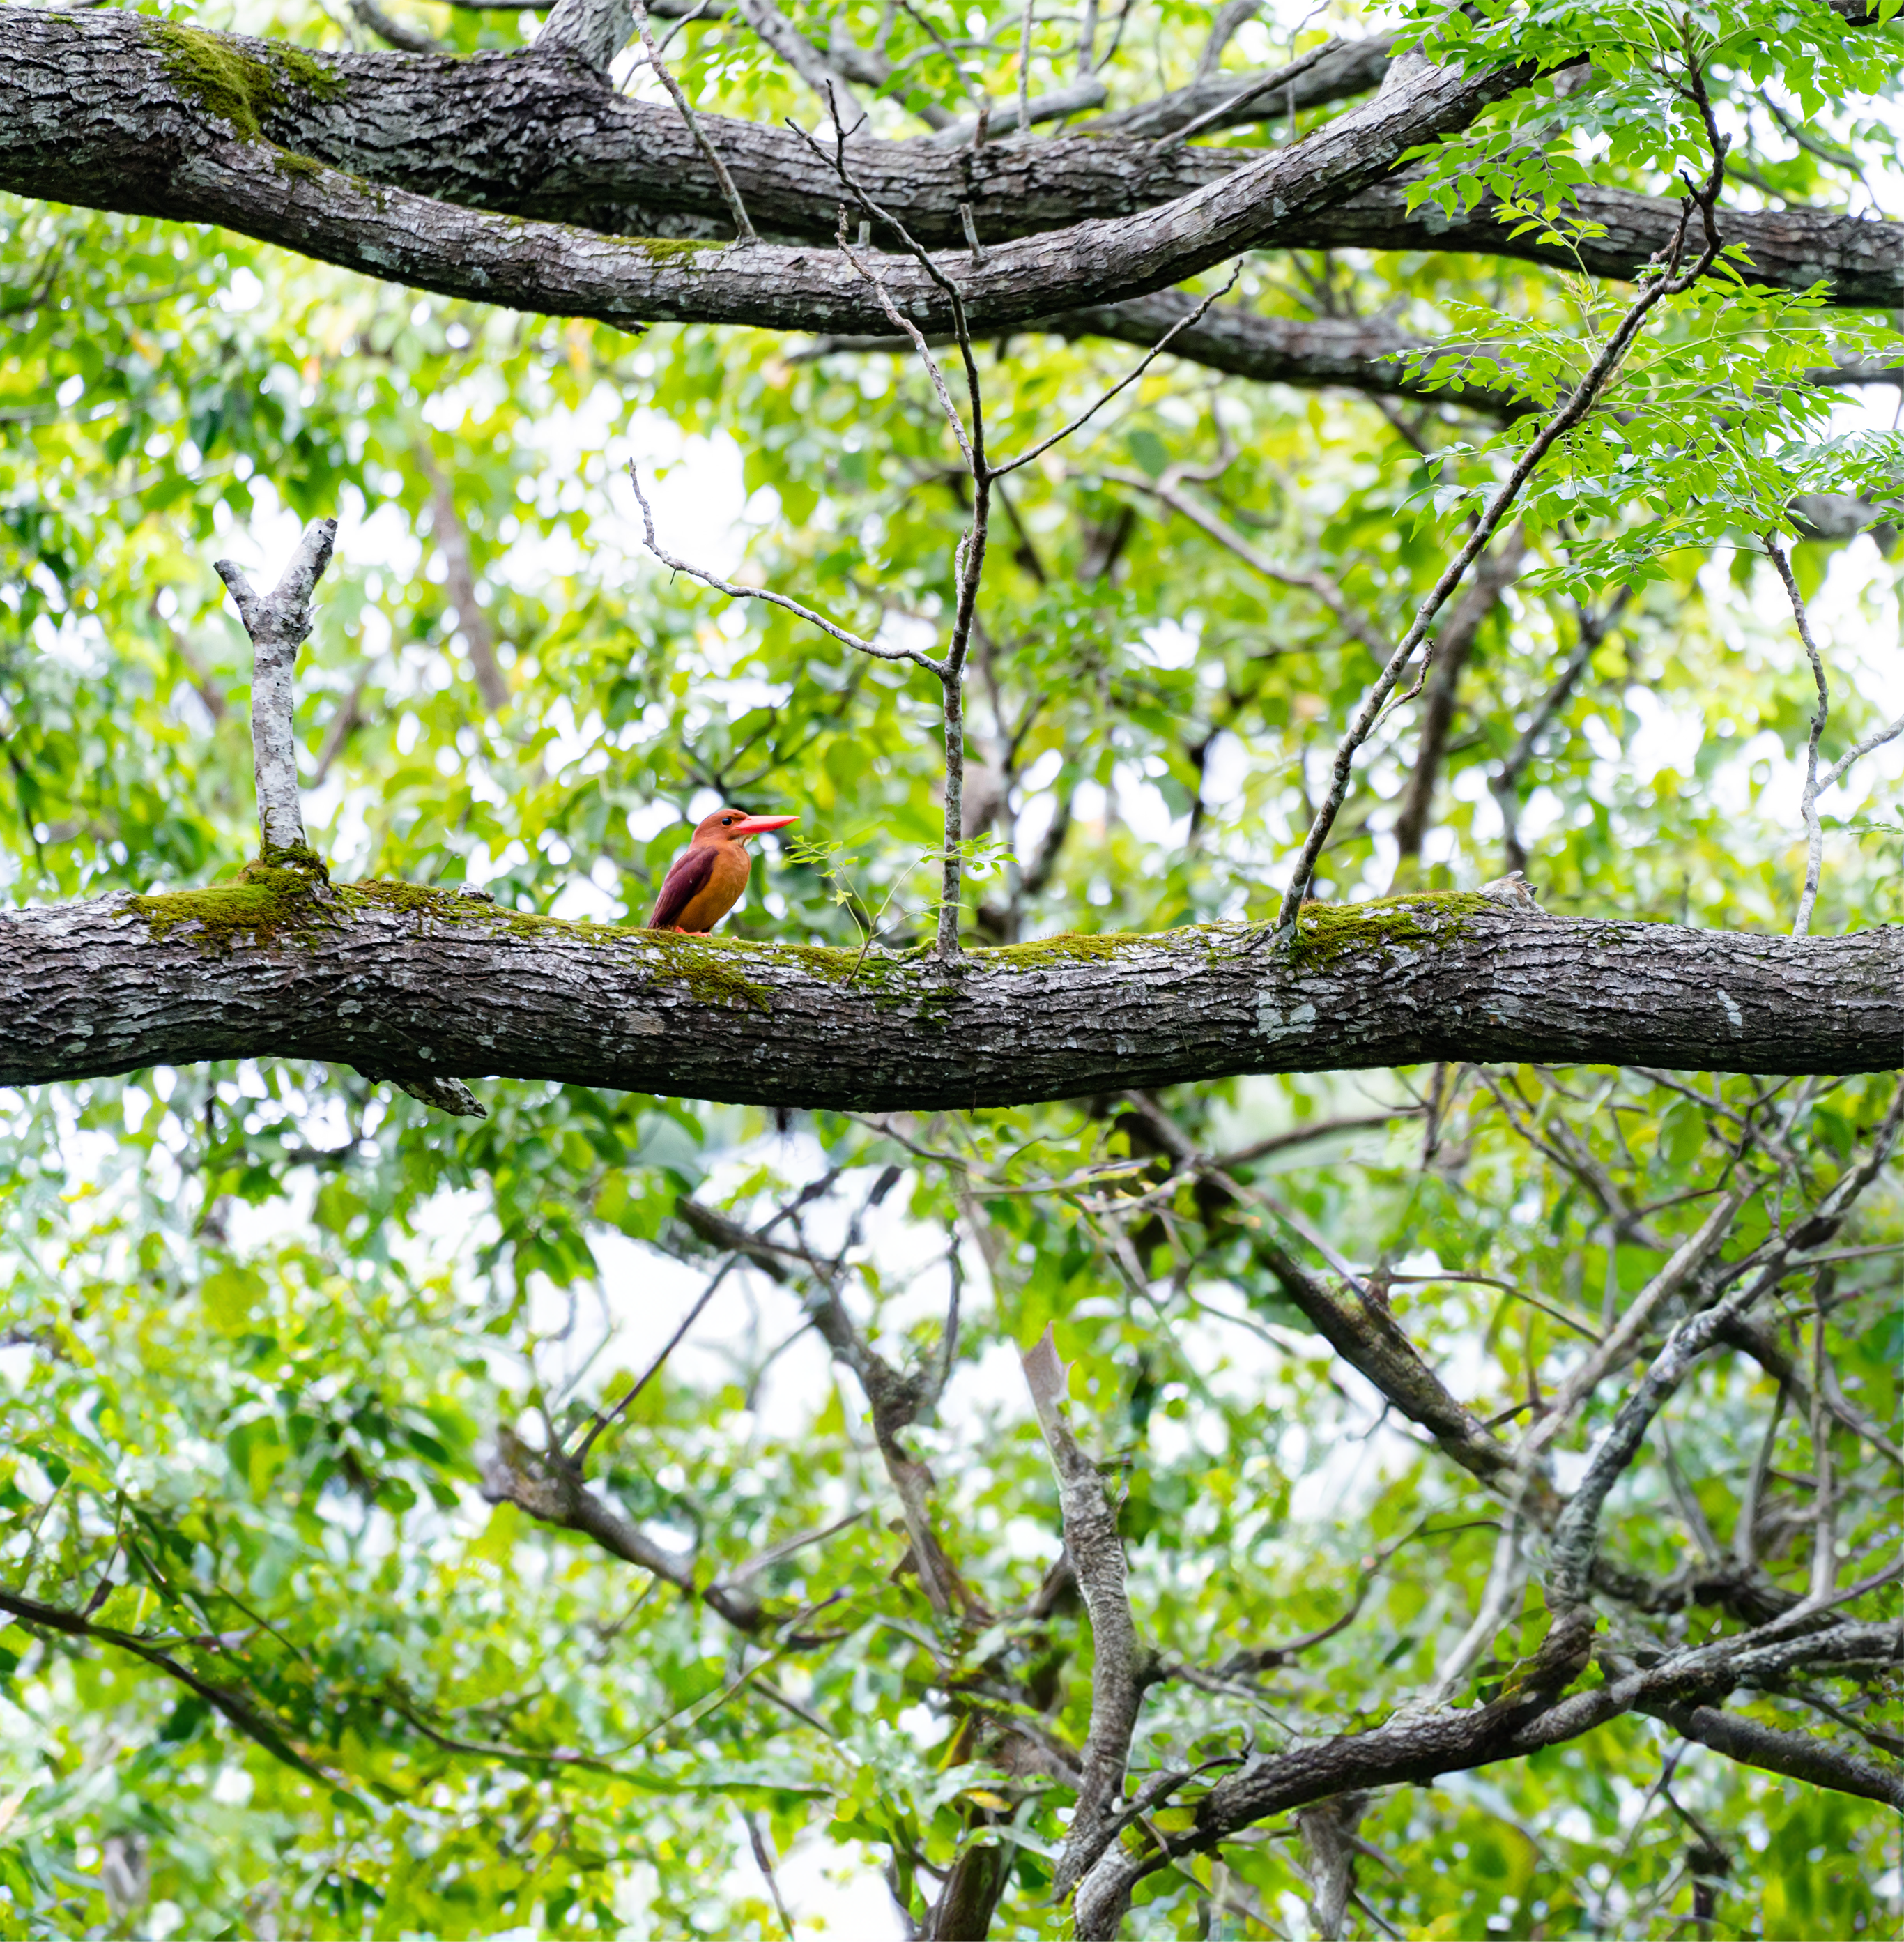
pixel 758 825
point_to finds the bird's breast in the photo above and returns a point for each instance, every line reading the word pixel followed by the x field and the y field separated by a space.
pixel 725 882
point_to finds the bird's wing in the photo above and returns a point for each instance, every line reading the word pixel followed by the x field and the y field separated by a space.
pixel 685 881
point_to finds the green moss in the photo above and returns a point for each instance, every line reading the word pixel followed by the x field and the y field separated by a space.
pixel 322 82
pixel 237 87
pixel 231 85
pixel 1327 932
pixel 660 249
pixel 292 856
pixel 1069 947
pixel 269 900
pixel 288 164
pixel 709 966
pixel 698 960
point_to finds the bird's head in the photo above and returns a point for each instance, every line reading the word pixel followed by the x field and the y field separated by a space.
pixel 734 825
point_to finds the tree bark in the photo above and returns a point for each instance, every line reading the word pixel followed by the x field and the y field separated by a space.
pixel 396 980
pixel 114 111
pixel 113 125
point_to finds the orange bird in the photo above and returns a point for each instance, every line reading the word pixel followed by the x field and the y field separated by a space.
pixel 708 876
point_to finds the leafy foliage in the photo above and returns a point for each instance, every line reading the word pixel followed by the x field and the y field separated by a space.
pixel 277 1340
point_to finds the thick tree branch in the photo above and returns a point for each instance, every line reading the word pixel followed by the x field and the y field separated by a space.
pixel 157 150
pixel 110 110
pixel 399 979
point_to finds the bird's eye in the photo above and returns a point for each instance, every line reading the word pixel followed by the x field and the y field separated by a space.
pixel 725 820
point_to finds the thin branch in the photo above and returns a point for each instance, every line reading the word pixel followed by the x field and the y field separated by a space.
pixel 1351 619
pixel 969 560
pixel 1575 1534
pixel 1744 1538
pixel 743 227
pixel 1130 377
pixel 410 40
pixel 452 538
pixel 1313 1129
pixel 1824 1507
pixel 738 593
pixel 763 1860
pixel 911 332
pixel 786 40
pixel 1506 1578
pixel 1262 84
pixel 1231 16
pixel 1504 783
pixel 1876 740
pixel 1623 1344
pixel 600 1423
pixel 1024 67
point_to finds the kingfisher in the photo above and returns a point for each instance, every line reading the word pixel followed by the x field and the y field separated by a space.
pixel 707 878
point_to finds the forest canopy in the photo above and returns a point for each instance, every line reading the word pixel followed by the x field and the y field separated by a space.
pixel 1254 1290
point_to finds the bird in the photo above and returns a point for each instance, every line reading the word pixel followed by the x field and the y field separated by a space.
pixel 705 881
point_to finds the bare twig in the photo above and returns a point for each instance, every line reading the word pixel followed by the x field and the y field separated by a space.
pixel 744 231
pixel 968 561
pixel 1815 783
pixel 1262 84
pixel 411 40
pixel 773 599
pixel 763 1860
pixel 1745 1547
pixel 1165 490
pixel 452 538
pixel 1130 378
pixel 1575 1533
pixel 1504 783
pixel 1623 1342
pixel 1230 17
pixel 598 1423
pixel 1024 67
pixel 1506 1576
pixel 813 67
pixel 1824 1507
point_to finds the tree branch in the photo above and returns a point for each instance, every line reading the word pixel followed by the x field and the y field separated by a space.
pixel 389 977
pixel 1798 1756
pixel 279 623
pixel 93 111
pixel 62 140
pixel 1096 1555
